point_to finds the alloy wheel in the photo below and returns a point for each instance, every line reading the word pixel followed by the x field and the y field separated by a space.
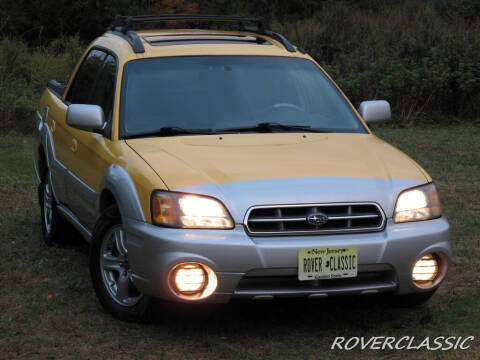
pixel 115 269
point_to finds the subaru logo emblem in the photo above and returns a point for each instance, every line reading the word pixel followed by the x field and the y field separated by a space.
pixel 317 219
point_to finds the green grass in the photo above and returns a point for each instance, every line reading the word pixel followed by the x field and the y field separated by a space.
pixel 48 309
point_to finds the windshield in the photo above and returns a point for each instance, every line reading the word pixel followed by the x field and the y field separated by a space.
pixel 221 92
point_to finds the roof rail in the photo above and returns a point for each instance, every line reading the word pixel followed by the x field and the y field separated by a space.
pixel 123 27
pixel 280 38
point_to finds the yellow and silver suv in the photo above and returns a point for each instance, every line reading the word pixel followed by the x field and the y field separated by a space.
pixel 209 165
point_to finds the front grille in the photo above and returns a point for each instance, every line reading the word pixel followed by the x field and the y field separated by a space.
pixel 273 220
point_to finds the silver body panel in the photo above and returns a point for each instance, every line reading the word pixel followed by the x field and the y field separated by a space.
pixel 81 199
pixel 240 196
pixel 232 254
pixel 85 117
pixel 117 180
pixel 70 216
pixel 375 111
pixel 44 142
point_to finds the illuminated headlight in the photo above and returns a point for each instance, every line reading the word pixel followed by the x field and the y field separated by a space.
pixel 192 281
pixel 419 203
pixel 189 211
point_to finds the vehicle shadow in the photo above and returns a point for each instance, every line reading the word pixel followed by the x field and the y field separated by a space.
pixel 359 314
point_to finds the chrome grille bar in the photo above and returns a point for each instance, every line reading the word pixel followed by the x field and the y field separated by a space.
pixel 276 219
pixel 369 216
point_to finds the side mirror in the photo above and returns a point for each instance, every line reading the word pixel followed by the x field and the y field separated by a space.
pixel 375 111
pixel 86 117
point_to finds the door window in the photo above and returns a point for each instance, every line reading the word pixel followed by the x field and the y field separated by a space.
pixel 94 84
pixel 105 87
pixel 84 80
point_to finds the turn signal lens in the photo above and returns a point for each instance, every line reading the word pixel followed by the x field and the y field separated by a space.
pixel 189 211
pixel 419 203
pixel 164 210
pixel 425 269
pixel 192 281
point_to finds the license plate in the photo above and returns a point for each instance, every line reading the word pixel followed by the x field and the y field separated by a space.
pixel 327 263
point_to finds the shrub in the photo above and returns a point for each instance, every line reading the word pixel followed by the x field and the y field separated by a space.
pixel 24 74
pixel 425 63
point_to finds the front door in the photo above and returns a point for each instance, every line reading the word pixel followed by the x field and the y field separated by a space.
pixel 94 84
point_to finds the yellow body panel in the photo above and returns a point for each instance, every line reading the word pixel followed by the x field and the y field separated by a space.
pixel 194 160
pixel 185 161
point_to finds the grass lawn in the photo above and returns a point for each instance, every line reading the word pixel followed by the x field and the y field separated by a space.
pixel 48 309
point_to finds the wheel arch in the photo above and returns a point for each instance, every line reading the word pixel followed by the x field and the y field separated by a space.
pixel 106 199
pixel 42 165
pixel 117 187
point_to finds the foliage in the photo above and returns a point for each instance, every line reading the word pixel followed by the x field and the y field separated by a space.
pixel 175 7
pixel 409 53
pixel 422 56
pixel 39 22
pixel 24 74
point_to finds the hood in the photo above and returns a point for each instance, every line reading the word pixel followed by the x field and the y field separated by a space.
pixel 255 169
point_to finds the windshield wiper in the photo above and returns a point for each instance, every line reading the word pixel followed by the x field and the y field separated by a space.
pixel 272 126
pixel 173 131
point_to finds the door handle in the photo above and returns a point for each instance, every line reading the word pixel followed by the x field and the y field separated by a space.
pixel 53 126
pixel 74 145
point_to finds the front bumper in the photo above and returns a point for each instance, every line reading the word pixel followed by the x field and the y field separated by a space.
pixel 266 267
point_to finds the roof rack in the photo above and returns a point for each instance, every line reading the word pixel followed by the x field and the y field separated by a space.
pixel 123 27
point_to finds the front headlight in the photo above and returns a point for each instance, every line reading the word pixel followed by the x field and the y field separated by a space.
pixel 418 203
pixel 189 211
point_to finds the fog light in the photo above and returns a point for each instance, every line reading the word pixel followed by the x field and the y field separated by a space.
pixel 425 270
pixel 192 281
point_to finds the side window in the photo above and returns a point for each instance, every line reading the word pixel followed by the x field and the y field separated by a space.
pixel 103 93
pixel 84 80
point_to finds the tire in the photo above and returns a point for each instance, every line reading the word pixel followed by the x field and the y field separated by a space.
pixel 54 226
pixel 110 271
pixel 411 300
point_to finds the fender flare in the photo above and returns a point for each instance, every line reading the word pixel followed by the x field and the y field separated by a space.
pixel 44 143
pixel 117 180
